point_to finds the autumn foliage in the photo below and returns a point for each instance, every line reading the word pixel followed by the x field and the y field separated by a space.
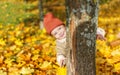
pixel 27 50
pixel 108 52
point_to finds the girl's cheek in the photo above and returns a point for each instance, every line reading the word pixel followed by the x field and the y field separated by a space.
pixel 57 37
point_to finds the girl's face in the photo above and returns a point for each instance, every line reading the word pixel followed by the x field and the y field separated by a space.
pixel 59 32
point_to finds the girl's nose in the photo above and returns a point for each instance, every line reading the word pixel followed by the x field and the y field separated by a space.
pixel 59 33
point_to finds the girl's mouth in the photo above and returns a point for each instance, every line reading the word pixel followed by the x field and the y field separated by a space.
pixel 62 34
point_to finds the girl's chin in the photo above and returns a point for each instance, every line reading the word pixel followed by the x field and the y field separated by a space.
pixel 62 38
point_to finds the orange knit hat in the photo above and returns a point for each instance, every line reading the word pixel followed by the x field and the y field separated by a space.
pixel 50 22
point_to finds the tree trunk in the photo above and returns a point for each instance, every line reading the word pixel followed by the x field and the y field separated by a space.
pixel 82 37
pixel 41 13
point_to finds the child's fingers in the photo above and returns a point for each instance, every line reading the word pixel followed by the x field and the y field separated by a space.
pixel 100 37
pixel 61 60
pixel 62 63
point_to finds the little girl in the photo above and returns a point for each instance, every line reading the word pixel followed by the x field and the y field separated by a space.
pixel 57 29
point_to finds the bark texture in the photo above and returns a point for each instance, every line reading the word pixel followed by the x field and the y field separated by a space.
pixel 82 37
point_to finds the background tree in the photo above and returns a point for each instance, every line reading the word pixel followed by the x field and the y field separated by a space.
pixel 82 36
pixel 41 13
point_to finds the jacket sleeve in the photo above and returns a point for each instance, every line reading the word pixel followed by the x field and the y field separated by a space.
pixel 61 48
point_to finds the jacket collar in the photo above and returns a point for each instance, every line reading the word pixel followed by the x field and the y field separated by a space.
pixel 62 40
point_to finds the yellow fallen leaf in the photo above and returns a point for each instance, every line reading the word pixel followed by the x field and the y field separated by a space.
pixel 116 52
pixel 46 65
pixel 117 66
pixel 2 42
pixel 27 70
pixel 2 72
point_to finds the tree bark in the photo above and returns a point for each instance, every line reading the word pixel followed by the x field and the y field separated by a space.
pixel 41 13
pixel 82 37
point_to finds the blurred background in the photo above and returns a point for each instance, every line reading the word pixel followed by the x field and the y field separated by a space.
pixel 26 49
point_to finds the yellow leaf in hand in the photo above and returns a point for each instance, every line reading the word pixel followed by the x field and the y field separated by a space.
pixel 61 71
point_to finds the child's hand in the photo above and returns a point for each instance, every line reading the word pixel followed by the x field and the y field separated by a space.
pixel 61 60
pixel 100 37
pixel 100 34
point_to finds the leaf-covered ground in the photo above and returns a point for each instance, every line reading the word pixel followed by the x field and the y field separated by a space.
pixel 27 50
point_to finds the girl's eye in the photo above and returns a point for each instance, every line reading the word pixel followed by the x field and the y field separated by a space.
pixel 55 33
pixel 59 28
